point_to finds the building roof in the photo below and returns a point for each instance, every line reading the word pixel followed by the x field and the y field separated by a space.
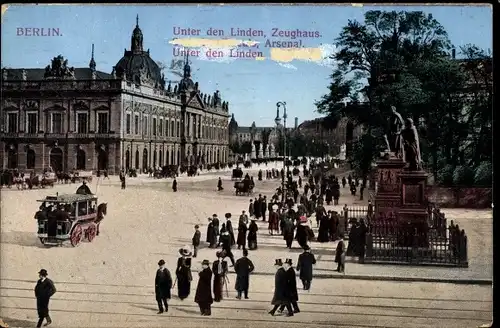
pixel 38 74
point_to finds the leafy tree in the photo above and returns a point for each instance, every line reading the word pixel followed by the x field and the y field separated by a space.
pixel 246 147
pixel 401 59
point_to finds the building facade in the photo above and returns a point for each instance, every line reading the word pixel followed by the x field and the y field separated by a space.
pixel 80 118
pixel 336 139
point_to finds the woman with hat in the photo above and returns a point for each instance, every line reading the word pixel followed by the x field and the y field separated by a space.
pixel 242 234
pixel 229 228
pixel 219 269
pixel 252 234
pixel 273 220
pixel 183 273
pixel 291 283
pixel 44 290
pixel 163 284
pixel 211 234
pixel 204 290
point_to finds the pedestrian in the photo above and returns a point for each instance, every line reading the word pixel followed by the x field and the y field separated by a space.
pixel 292 293
pixel 251 208
pixel 305 267
pixel 196 240
pixel 122 178
pixel 242 235
pixel 219 269
pixel 288 229
pixel 174 185
pixel 340 256
pixel 243 268
pixel 280 289
pixel 204 289
pixel 226 246
pixel 44 290
pixel 244 217
pixel 219 185
pixel 252 234
pixel 229 228
pixel 163 284
pixel 183 273
pixel 263 208
pixel 211 234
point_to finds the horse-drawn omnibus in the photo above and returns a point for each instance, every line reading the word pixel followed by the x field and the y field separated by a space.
pixel 69 217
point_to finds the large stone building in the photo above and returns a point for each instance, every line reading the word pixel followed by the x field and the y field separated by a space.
pixel 333 138
pixel 80 118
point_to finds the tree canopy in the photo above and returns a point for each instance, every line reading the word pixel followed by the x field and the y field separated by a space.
pixel 403 59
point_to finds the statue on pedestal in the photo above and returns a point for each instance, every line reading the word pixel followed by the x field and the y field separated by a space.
pixel 266 151
pixel 394 140
pixel 411 146
pixel 254 151
pixel 272 152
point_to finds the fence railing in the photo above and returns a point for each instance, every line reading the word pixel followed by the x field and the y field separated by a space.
pixel 388 241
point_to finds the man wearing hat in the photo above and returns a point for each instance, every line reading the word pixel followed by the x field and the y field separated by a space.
pixel 243 268
pixel 204 289
pixel 305 267
pixel 163 284
pixel 291 282
pixel 215 221
pixel 280 297
pixel 44 290
pixel 219 269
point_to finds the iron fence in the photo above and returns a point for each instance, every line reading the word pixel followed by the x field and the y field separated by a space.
pixel 390 242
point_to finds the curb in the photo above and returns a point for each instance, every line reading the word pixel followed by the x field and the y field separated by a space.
pixel 481 282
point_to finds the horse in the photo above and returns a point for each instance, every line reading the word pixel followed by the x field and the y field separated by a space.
pixel 101 212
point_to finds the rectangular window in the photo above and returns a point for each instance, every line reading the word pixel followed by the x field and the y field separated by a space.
pixel 128 125
pixel 102 123
pixel 160 127
pixel 57 123
pixel 82 123
pixel 154 126
pixel 172 129
pixel 32 123
pixel 178 129
pixel 145 126
pixel 136 124
pixel 12 124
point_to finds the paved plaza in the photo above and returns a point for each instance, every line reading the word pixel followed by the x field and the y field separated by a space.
pixel 109 282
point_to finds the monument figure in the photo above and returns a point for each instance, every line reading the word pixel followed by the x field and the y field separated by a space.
pixel 396 126
pixel 254 151
pixel 411 146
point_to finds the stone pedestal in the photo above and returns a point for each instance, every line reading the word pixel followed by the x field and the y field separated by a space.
pixel 387 199
pixel 413 212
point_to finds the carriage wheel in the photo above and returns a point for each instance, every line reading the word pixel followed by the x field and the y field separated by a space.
pixel 91 232
pixel 76 235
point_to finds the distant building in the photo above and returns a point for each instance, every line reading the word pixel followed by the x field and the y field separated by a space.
pixel 343 134
pixel 80 118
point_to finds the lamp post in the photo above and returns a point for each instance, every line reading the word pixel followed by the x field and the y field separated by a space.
pixel 277 120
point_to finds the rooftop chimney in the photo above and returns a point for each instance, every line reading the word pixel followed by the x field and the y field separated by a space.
pixel 296 122
pixel 453 53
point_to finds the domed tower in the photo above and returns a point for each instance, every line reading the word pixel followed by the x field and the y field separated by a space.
pixel 136 65
pixel 186 85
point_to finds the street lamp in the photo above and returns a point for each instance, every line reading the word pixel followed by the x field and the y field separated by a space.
pixel 277 120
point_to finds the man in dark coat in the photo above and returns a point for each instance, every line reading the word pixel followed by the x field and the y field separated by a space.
pixel 305 267
pixel 243 268
pixel 219 269
pixel 174 185
pixel 122 178
pixel 257 207
pixel 229 228
pixel 340 256
pixel 252 234
pixel 204 289
pixel 242 235
pixel 196 240
pixel 44 290
pixel 263 207
pixel 280 296
pixel 219 185
pixel 211 234
pixel 251 208
pixel 287 229
pixel 292 293
pixel 163 284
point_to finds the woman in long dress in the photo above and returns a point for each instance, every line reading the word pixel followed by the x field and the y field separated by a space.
pixel 252 235
pixel 183 273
